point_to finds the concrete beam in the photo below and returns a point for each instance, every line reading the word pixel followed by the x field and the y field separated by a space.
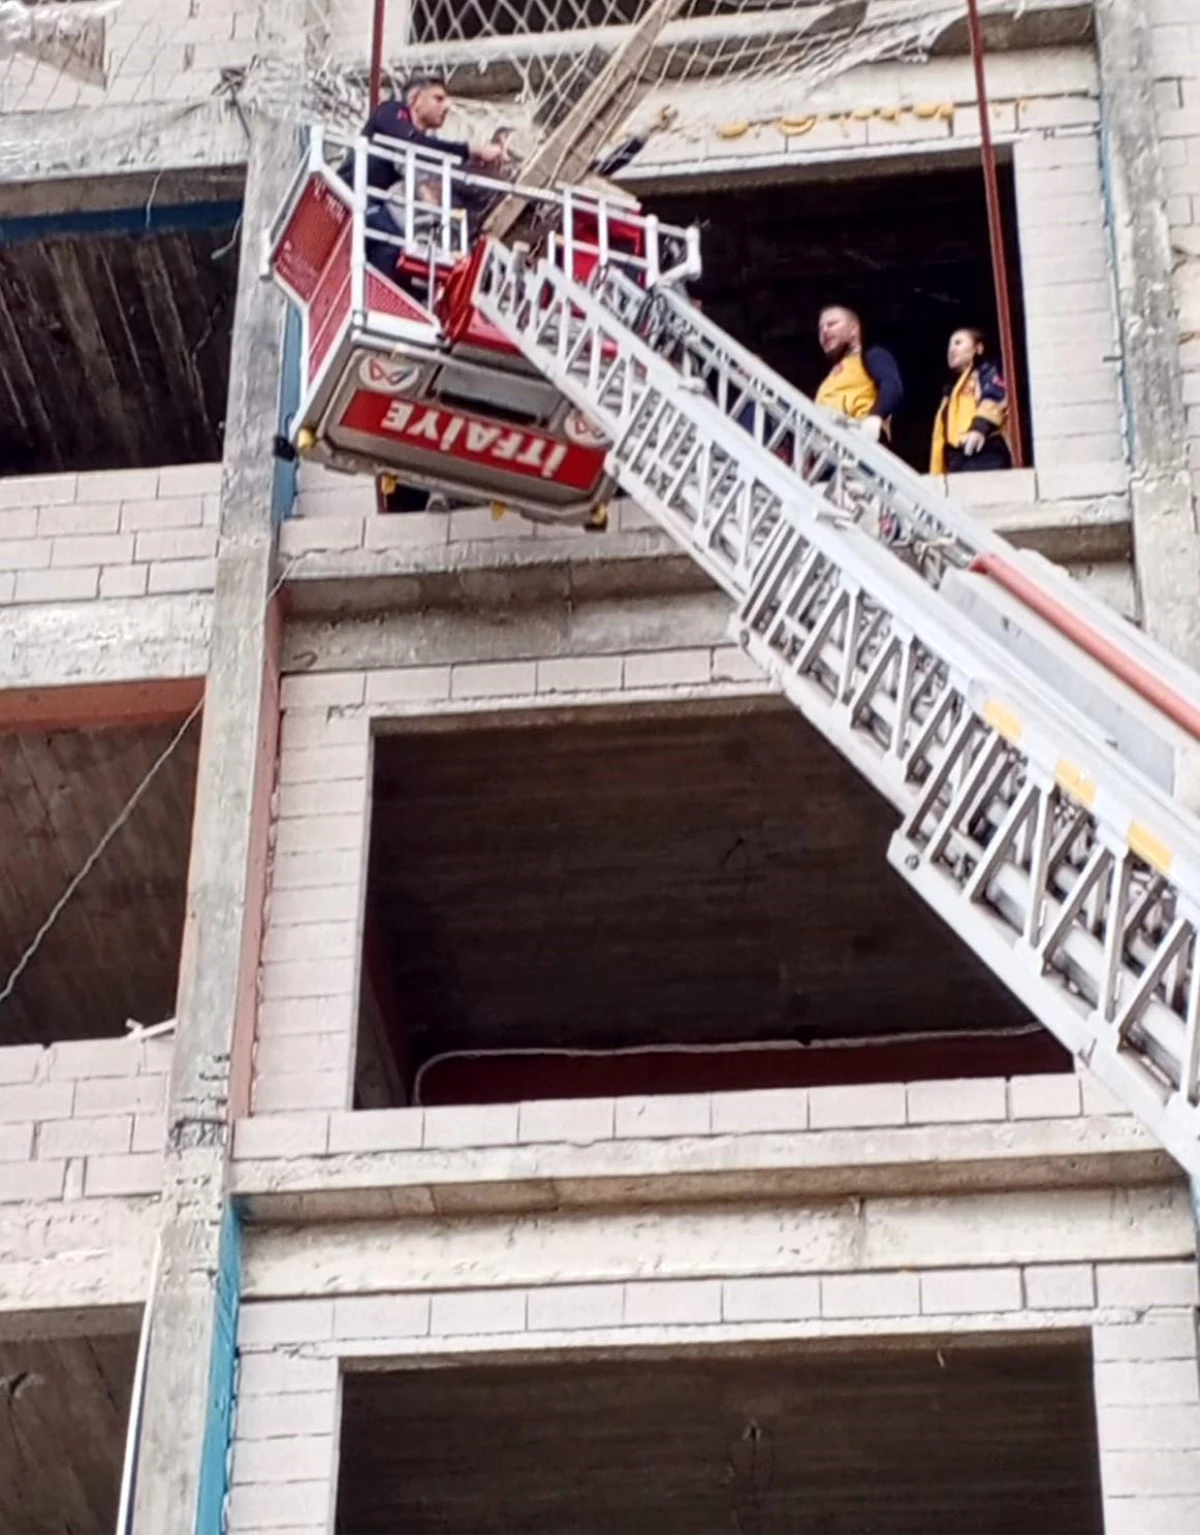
pixel 894 1160
pixel 103 193
pixel 116 140
pixel 565 567
pixel 481 574
pixel 99 706
pixel 139 639
pixel 1165 534
pixel 559 628
pixel 974 1230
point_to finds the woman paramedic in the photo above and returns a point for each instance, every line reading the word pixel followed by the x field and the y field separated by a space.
pixel 969 428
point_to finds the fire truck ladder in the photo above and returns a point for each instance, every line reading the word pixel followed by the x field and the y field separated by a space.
pixel 1043 799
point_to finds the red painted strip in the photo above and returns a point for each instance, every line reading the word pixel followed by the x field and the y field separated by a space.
pixel 96 706
pixel 463 438
pixel 1154 690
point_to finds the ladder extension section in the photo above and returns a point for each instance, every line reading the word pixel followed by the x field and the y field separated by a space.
pixel 1070 873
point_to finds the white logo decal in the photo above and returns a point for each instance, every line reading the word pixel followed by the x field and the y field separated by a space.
pixel 578 429
pixel 441 429
pixel 383 377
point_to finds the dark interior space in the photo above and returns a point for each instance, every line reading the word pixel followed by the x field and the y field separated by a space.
pixel 112 954
pixel 909 250
pixel 991 1439
pixel 115 332
pixel 64 1403
pixel 693 879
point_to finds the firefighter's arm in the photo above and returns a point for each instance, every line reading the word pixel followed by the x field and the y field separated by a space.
pixel 881 365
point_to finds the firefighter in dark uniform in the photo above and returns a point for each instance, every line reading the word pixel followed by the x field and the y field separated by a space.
pixel 416 119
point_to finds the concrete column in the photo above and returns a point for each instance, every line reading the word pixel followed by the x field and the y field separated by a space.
pixel 184 1435
pixel 1166 539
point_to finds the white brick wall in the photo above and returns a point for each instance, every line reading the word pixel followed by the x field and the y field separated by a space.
pixel 1070 322
pixel 118 533
pixel 168 52
pixel 82 1119
pixel 314 1131
pixel 308 985
pixel 1147 1402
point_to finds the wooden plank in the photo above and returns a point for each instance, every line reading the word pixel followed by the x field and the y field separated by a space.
pixel 192 429
pixel 100 387
pixel 594 119
pixel 23 335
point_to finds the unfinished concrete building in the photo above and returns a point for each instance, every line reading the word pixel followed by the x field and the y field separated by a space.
pixel 477 1049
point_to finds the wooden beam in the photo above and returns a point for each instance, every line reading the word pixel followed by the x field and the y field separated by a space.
pixel 569 151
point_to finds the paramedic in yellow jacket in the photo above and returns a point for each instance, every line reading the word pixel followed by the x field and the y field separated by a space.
pixel 969 428
pixel 863 385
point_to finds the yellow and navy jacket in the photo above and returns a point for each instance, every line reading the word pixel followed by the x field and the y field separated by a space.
pixel 863 384
pixel 976 402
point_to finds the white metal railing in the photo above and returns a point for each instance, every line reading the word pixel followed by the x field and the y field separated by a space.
pixel 430 198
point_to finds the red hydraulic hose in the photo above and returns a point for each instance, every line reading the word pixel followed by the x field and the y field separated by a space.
pixel 377 21
pixel 1153 689
pixel 991 185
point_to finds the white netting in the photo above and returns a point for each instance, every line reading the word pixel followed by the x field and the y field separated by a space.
pixel 60 55
pixel 68 39
pixel 524 63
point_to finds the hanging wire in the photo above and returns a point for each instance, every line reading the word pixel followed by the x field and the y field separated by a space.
pixel 123 815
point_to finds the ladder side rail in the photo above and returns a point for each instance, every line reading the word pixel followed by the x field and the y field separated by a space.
pixel 854 477
pixel 777 496
pixel 967 792
pixel 1074 877
pixel 710 347
pixel 836 460
pixel 1104 618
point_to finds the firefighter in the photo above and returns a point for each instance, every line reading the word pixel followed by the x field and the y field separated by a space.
pixel 416 118
pixel 862 385
pixel 969 428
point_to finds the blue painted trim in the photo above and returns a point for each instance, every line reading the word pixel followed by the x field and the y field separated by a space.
pixel 286 484
pixel 109 221
pixel 214 1459
pixel 287 475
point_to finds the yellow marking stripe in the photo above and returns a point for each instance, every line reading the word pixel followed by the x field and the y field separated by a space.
pixel 1146 845
pixel 1076 782
pixel 1003 720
